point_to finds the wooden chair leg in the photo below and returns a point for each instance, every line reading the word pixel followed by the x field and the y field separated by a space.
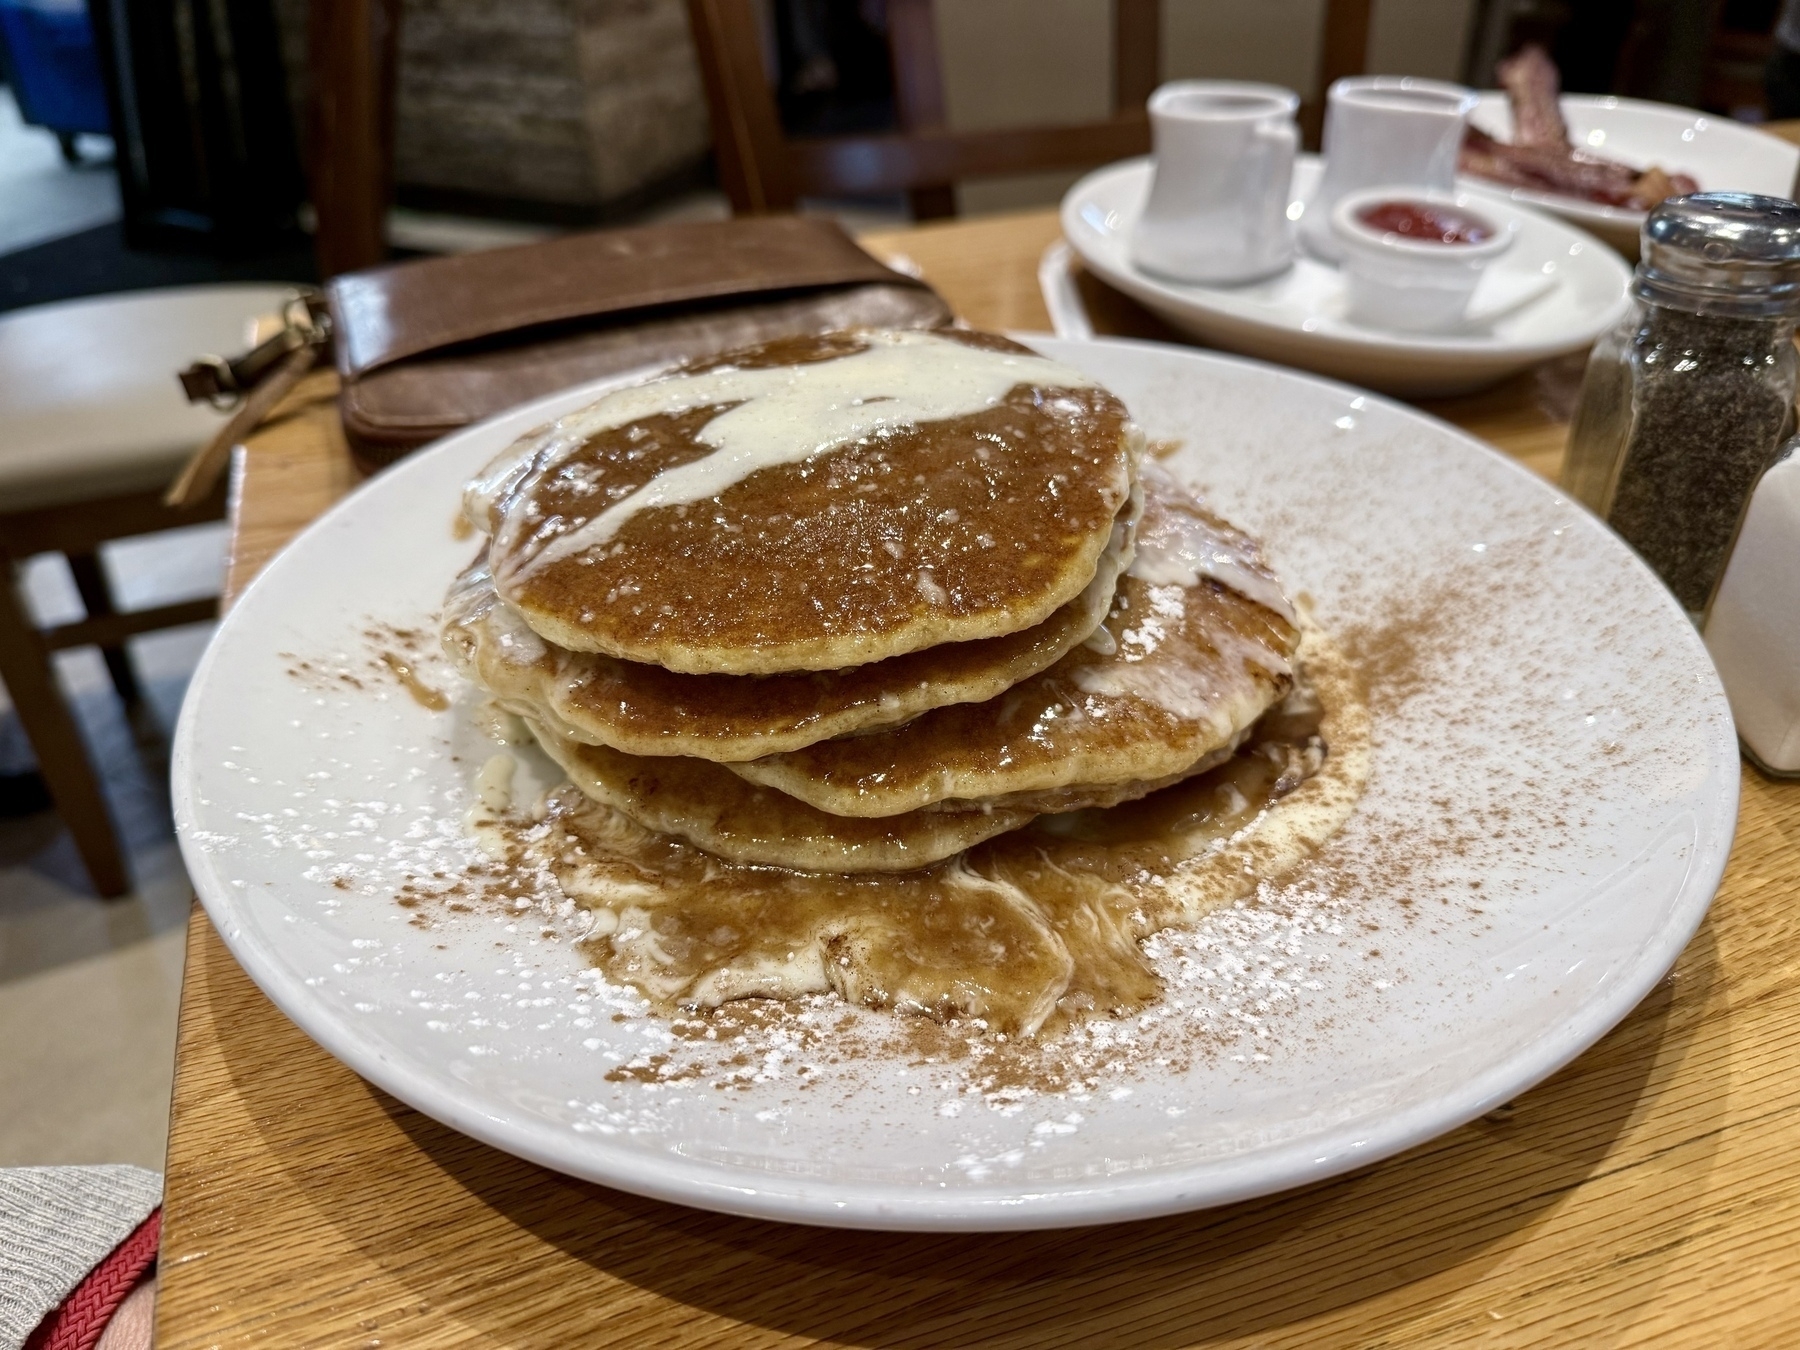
pixel 352 48
pixel 919 92
pixel 97 598
pixel 25 666
pixel 933 203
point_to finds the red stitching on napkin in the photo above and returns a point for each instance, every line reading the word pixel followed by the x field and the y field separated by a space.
pixel 77 1324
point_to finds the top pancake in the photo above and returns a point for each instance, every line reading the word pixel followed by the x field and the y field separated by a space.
pixel 812 504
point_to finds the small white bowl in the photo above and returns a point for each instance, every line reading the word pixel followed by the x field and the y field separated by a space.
pixel 1408 284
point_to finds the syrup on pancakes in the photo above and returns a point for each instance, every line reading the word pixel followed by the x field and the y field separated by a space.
pixel 1021 933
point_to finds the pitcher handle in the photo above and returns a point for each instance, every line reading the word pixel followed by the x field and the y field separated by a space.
pixel 1280 143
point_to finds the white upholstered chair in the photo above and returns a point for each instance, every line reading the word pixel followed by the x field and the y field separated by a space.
pixel 93 427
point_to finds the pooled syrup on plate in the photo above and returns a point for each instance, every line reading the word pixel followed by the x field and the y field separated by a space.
pixel 422 694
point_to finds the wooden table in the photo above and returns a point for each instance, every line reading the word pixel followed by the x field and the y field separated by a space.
pixel 1648 1194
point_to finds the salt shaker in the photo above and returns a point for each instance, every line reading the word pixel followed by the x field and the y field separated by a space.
pixel 1687 401
pixel 1753 631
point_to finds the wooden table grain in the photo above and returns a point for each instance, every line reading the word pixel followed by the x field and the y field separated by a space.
pixel 1646 1195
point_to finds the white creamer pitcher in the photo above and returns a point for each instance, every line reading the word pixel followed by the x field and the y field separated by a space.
pixel 1217 213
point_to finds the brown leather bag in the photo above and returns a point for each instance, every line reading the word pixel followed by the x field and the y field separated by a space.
pixel 426 347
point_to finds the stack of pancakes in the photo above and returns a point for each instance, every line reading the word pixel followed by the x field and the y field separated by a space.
pixel 855 603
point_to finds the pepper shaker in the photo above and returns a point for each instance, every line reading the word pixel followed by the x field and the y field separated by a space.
pixel 1687 401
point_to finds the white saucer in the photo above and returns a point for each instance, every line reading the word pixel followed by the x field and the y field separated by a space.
pixel 1717 153
pixel 1548 815
pixel 1296 318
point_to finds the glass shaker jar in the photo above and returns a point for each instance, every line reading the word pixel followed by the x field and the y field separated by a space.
pixel 1687 401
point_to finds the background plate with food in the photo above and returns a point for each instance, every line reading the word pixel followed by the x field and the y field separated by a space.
pixel 1602 161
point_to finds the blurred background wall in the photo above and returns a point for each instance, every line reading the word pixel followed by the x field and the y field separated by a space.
pixel 569 105
pixel 1015 61
pixel 593 106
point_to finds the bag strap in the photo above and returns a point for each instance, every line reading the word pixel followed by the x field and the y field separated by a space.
pixel 252 384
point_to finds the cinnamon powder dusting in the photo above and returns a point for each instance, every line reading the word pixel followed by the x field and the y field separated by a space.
pixel 394 654
pixel 1492 769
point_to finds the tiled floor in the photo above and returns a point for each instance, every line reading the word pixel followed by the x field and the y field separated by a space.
pixel 88 987
pixel 40 196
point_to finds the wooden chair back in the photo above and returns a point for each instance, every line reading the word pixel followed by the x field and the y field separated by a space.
pixel 762 169
pixel 352 54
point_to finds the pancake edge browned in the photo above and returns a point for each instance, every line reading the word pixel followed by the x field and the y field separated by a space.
pixel 1293 829
pixel 1088 796
pixel 894 844
pixel 1149 762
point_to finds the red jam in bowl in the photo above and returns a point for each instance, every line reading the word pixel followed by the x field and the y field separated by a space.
pixel 1424 223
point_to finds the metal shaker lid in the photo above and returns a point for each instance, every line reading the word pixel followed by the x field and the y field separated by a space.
pixel 1724 253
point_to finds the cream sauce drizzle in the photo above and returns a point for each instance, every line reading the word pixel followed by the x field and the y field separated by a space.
pixel 779 415
pixel 1180 549
pixel 1146 668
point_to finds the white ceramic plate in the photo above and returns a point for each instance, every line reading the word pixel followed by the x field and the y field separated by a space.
pixel 1556 735
pixel 1297 318
pixel 1719 154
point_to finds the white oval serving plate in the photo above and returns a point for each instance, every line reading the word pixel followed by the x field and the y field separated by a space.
pixel 1717 153
pixel 1552 801
pixel 1297 318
